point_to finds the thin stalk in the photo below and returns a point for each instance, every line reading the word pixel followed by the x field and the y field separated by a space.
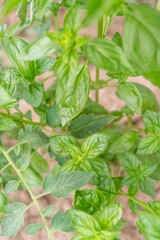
pixel 144 205
pixel 21 120
pixel 158 5
pixel 10 161
pixel 100 29
pixel 4 168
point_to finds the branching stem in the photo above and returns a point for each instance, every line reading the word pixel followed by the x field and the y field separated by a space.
pixel 144 205
pixel 34 199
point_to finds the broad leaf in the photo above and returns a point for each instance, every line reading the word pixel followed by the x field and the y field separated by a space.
pixel 149 144
pixel 12 223
pixel 86 124
pixel 152 121
pixel 85 224
pixel 11 186
pixel 72 93
pixel 94 145
pixel 106 54
pixel 64 183
pixel 142 46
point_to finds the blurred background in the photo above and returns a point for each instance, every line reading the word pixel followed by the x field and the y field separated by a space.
pixel 107 98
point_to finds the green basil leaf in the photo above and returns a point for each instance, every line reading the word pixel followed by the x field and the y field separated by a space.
pixel 6 101
pixel 38 8
pixel 89 200
pixel 52 116
pixel 44 64
pixel 85 224
pixel 64 182
pixel 96 9
pixel 149 144
pixel 13 48
pixel 94 145
pixel 147 186
pixel 61 222
pixel 72 99
pixel 59 144
pixel 7 124
pixel 142 46
pixel 22 11
pixel 40 47
pixel 72 21
pixel 106 54
pixel 109 216
pixel 8 7
pixel 152 121
pixel 86 124
pixel 124 142
pixel 149 226
pixel 155 205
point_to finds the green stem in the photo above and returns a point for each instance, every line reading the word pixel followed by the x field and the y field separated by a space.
pixel 10 161
pixel 4 168
pixel 21 120
pixel 158 5
pixel 144 205
pixel 100 29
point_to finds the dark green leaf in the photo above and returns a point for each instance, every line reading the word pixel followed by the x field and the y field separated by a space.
pixel 85 124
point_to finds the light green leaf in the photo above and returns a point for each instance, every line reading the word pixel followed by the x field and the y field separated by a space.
pixel 94 145
pixel 86 124
pixel 13 48
pixel 49 210
pixel 149 144
pixel 8 7
pixel 142 46
pixel 85 224
pixel 12 223
pixel 38 8
pixel 33 94
pixel 59 144
pixel 11 186
pixel 109 216
pixel 65 182
pixel 149 226
pixel 38 162
pixel 33 228
pixel 147 186
pixel 72 93
pixel 155 205
pixel 129 93
pixel 152 121
pixel 44 64
pixel 61 222
pixel 40 47
pixel 72 21
pixel 96 9
pixel 124 142
pixel 6 100
pixel 22 11
pixel 106 54
pixel 6 124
